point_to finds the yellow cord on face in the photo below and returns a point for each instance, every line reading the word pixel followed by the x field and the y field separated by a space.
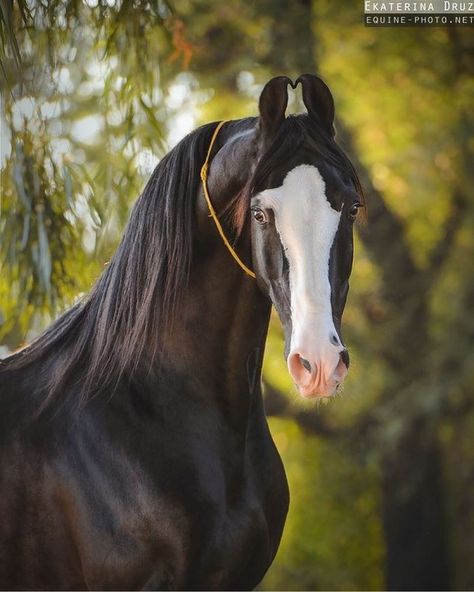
pixel 212 212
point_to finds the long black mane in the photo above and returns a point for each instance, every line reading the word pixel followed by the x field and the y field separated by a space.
pixel 117 327
pixel 107 334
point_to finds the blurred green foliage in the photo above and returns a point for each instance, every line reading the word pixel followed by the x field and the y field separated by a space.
pixel 332 538
pixel 105 87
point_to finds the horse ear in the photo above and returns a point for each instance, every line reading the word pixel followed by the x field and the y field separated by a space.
pixel 318 101
pixel 272 105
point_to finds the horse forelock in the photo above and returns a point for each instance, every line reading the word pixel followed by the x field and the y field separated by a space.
pixel 297 132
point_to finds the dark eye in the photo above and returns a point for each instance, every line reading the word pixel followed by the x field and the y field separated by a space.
pixel 353 210
pixel 259 215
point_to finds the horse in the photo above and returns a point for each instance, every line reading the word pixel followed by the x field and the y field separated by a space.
pixel 135 451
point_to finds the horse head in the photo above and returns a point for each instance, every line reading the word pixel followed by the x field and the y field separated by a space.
pixel 305 197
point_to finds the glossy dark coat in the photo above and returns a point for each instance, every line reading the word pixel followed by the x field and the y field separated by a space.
pixel 161 474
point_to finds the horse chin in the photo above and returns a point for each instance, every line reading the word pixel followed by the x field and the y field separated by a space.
pixel 321 392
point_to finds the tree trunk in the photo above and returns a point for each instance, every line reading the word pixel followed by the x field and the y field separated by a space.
pixel 413 507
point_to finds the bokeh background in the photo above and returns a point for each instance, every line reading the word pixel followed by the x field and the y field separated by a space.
pixel 94 92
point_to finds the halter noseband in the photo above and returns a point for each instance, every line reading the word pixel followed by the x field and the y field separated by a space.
pixel 212 211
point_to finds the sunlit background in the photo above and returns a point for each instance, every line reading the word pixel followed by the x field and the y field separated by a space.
pixel 95 92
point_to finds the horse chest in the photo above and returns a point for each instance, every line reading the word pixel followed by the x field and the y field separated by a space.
pixel 242 541
pixel 204 525
pixel 234 523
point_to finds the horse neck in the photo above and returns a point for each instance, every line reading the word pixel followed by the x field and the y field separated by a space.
pixel 218 338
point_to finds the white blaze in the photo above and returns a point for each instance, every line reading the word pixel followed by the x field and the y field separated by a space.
pixel 307 226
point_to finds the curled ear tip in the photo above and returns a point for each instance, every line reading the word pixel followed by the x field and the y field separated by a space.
pixel 275 89
pixel 302 77
pixel 280 80
pixel 310 77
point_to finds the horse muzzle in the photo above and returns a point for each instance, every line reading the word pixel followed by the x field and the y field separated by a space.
pixel 318 374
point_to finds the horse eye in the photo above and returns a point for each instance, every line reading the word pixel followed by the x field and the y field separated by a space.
pixel 354 209
pixel 259 215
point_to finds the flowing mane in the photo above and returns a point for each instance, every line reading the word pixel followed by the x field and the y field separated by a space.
pixel 107 334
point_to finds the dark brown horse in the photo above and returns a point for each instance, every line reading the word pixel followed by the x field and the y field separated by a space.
pixel 135 453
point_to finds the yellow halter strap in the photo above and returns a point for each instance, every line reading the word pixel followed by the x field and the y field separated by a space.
pixel 212 211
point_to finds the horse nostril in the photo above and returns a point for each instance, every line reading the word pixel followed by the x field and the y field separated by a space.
pixel 306 365
pixel 344 356
pixel 334 340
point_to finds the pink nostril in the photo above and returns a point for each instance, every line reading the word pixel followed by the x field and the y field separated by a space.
pixel 341 369
pixel 300 369
pixel 305 364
